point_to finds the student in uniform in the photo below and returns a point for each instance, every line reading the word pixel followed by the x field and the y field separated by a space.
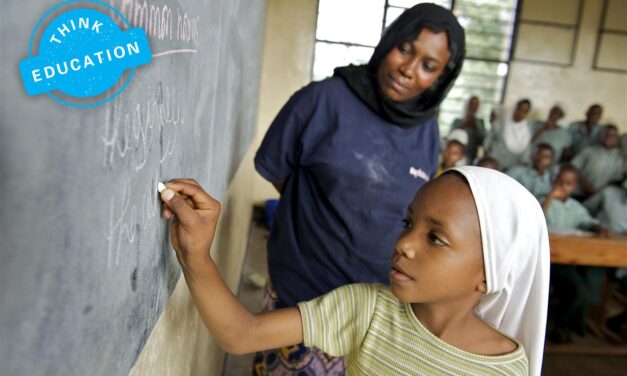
pixel 367 135
pixel 609 206
pixel 467 295
pixel 474 127
pixel 574 287
pixel 586 132
pixel 537 178
pixel 510 135
pixel 600 164
pixel 550 132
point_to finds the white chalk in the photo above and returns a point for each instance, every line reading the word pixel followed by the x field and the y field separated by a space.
pixel 160 187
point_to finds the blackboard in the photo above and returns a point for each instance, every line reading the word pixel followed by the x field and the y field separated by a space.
pixel 86 266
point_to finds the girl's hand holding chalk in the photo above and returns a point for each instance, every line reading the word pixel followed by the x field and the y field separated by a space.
pixel 195 216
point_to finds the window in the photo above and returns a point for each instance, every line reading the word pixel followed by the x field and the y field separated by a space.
pixel 611 49
pixel 548 32
pixel 489 26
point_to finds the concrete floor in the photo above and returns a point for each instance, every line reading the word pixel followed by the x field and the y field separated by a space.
pixel 554 364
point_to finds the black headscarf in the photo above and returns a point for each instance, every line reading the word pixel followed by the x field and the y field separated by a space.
pixel 362 79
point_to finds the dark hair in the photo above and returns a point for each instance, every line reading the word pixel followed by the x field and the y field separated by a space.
pixel 489 159
pixel 595 105
pixel 608 127
pixel 543 145
pixel 454 142
pixel 567 167
pixel 524 101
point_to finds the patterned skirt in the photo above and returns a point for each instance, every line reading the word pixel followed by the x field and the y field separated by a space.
pixel 294 360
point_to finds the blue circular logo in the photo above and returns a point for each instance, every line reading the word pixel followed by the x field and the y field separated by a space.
pixel 82 54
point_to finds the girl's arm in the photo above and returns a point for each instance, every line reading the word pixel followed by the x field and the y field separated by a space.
pixel 557 193
pixel 237 331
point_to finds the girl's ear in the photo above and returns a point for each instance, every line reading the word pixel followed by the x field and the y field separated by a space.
pixel 482 287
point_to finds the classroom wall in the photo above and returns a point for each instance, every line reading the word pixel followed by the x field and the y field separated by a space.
pixel 286 67
pixel 576 86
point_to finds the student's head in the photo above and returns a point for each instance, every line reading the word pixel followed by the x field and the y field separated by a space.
pixel 542 157
pixel 453 153
pixel 489 162
pixel 556 113
pixel 473 105
pixel 568 179
pixel 594 113
pixel 521 110
pixel 475 242
pixel 420 53
pixel 439 253
pixel 610 137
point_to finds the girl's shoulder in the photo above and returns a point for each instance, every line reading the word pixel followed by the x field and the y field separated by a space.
pixel 490 341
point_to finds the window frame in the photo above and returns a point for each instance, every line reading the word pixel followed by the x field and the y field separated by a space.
pixel 600 33
pixel 508 61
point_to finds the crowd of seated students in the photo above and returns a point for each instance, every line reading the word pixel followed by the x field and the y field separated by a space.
pixel 577 173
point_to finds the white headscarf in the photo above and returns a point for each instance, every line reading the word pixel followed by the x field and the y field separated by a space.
pixel 516 259
pixel 516 134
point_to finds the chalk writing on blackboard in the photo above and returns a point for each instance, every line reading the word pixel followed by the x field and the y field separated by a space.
pixel 130 137
pixel 161 22
pixel 125 218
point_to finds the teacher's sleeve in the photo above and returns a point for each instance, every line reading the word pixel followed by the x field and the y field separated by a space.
pixel 338 321
pixel 281 147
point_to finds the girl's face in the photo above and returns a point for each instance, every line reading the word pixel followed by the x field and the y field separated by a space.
pixel 438 256
pixel 473 105
pixel 521 111
pixel 453 153
pixel 413 67
pixel 567 181
pixel 610 138
pixel 543 159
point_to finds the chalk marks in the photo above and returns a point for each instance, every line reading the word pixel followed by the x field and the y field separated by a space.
pixel 126 217
pixel 135 132
pixel 171 52
pixel 134 140
pixel 160 22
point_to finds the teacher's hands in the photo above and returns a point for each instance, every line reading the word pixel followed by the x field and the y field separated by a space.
pixel 194 216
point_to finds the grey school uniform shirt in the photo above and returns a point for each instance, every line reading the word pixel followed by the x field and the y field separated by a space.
pixel 581 137
pixel 599 165
pixel 539 185
pixel 610 207
pixel 569 213
pixel 559 138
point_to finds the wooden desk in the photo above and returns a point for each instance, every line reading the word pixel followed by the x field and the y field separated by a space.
pixel 589 250
pixel 592 251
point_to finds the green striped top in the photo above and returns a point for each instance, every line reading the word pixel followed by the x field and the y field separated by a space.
pixel 378 335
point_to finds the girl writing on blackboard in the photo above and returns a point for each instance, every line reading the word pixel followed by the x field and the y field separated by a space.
pixel 467 295
pixel 368 134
